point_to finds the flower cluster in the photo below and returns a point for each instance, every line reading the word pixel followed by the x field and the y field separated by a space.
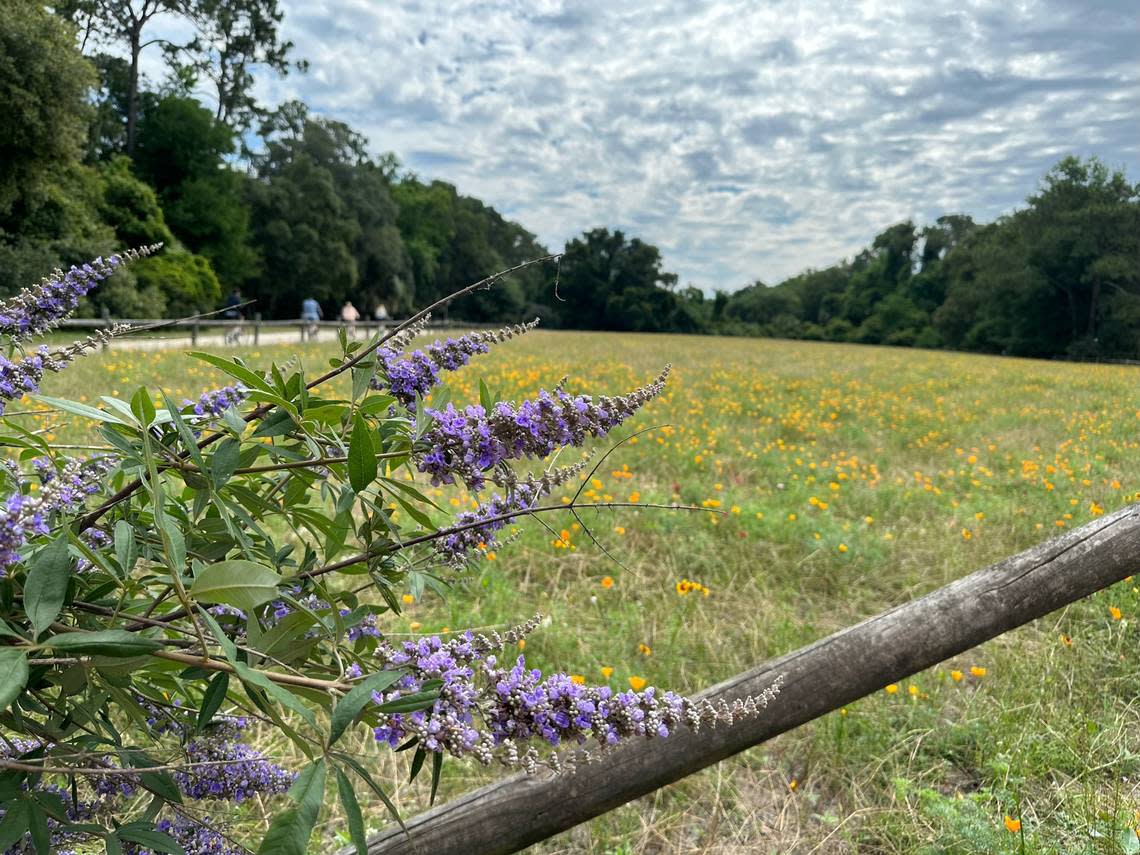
pixel 217 401
pixel 466 443
pixel 229 769
pixel 476 529
pixel 409 375
pixel 219 766
pixel 23 377
pixel 23 516
pixel 486 711
pixel 688 586
pixel 195 836
pixel 36 310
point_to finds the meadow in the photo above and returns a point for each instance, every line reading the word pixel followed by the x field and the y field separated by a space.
pixel 832 482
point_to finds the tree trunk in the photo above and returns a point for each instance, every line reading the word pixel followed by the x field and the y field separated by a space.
pixel 133 89
pixel 513 813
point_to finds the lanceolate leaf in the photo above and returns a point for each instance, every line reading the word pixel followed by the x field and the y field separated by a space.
pixel 126 549
pixel 13 675
pixel 108 642
pixel 239 583
pixel 15 823
pixel 281 695
pixel 290 832
pixel 352 813
pixel 348 707
pixel 148 836
pixel 215 695
pixel 46 587
pixel 361 455
pixel 225 461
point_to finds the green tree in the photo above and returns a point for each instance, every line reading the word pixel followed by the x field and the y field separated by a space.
pixel 1082 237
pixel 43 88
pixel 232 37
pixel 181 152
pixel 609 282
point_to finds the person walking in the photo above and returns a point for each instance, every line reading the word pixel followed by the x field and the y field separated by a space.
pixel 349 315
pixel 310 314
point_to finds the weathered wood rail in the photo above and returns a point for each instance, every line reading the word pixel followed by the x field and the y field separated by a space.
pixel 513 813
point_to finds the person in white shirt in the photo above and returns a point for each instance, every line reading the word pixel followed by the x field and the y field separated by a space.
pixel 349 315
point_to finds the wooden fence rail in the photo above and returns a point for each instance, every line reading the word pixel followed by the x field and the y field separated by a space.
pixel 250 329
pixel 513 813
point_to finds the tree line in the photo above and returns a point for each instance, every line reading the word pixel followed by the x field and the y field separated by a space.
pixel 283 204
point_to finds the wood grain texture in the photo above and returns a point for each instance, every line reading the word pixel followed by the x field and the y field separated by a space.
pixel 519 810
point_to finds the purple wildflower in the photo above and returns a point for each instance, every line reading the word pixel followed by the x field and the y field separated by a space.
pixel 24 376
pixel 485 711
pixel 196 837
pixel 478 527
pixel 468 442
pixel 408 375
pixel 36 310
pixel 217 401
pixel 23 516
pixel 245 771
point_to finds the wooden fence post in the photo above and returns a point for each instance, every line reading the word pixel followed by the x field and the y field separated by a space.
pixel 256 328
pixel 519 810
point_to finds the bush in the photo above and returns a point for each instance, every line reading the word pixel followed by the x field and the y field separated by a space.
pixel 236 558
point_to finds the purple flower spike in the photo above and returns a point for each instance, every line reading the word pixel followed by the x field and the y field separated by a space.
pixel 465 443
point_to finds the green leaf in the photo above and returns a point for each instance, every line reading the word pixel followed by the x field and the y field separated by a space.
pixel 290 832
pixel 1128 842
pixel 143 407
pixel 162 785
pixel 225 461
pixel 15 823
pixel 348 707
pixel 410 703
pixel 78 409
pixel 38 828
pixel 352 813
pixel 359 769
pixel 485 399
pixel 175 543
pixel 361 455
pixel 112 846
pixel 223 640
pixel 417 763
pixel 239 583
pixel 13 676
pixel 107 642
pixel 277 423
pixel 46 587
pixel 150 837
pixel 250 378
pixel 126 549
pixel 213 699
pixel 278 693
pixel 189 441
pixel 436 770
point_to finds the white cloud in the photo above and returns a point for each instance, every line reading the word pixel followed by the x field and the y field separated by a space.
pixel 746 140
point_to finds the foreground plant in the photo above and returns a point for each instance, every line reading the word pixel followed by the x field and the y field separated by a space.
pixel 211 566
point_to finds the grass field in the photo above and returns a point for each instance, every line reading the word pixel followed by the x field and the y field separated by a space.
pixel 848 479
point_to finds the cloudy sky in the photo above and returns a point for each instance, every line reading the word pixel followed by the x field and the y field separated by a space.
pixel 746 139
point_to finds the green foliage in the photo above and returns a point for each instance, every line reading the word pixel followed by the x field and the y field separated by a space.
pixel 1058 277
pixel 609 282
pixel 186 282
pixel 130 207
pixel 43 87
